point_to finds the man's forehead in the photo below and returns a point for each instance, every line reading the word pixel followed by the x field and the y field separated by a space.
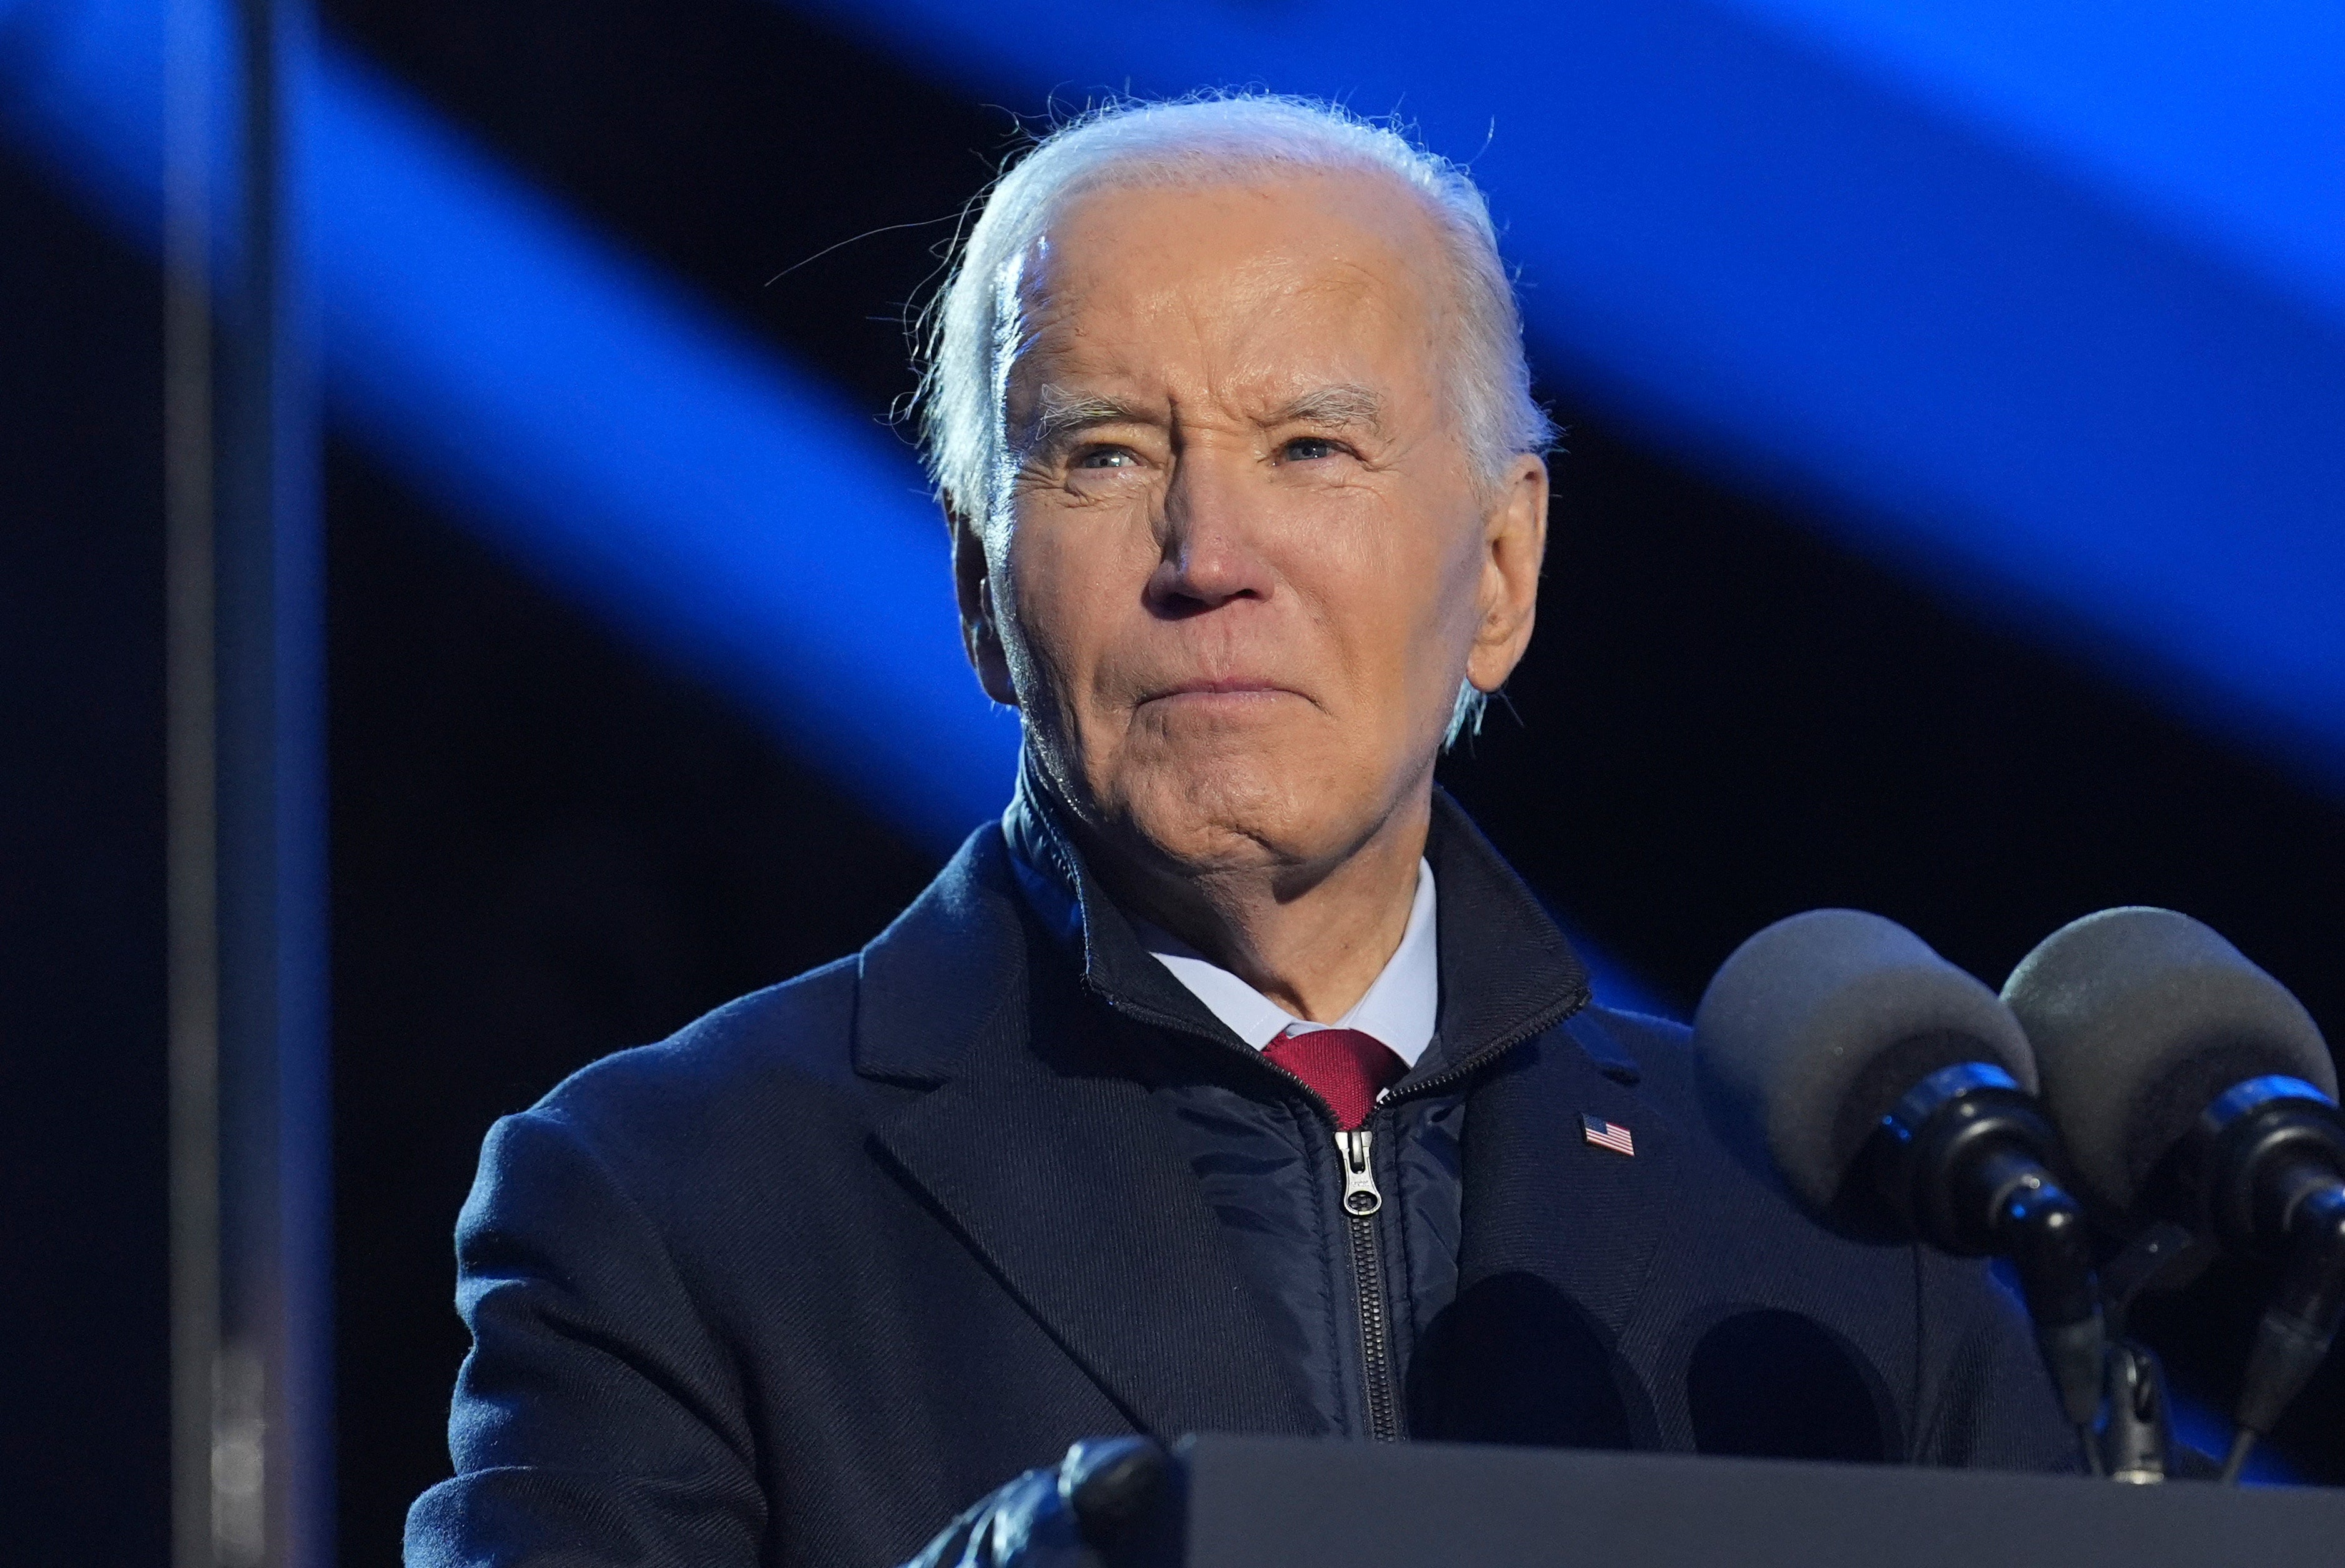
pixel 1331 240
pixel 1143 295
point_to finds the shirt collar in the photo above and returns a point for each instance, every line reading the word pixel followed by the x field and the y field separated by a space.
pixel 1398 1009
pixel 1504 970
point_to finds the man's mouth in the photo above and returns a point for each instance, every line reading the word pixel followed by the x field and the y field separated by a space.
pixel 1223 686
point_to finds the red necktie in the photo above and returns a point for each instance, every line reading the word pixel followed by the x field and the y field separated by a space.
pixel 1345 1068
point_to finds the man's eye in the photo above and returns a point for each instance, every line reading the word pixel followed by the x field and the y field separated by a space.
pixel 1105 457
pixel 1308 448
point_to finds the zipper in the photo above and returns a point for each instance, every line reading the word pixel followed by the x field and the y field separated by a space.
pixel 1363 1200
pixel 1481 1058
pixel 1356 1154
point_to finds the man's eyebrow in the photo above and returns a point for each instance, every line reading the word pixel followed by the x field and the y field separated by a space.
pixel 1342 407
pixel 1060 415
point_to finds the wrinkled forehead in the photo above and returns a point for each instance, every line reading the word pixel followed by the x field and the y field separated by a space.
pixel 1255 272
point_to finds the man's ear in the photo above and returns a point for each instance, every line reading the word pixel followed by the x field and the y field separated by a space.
pixel 981 632
pixel 1514 538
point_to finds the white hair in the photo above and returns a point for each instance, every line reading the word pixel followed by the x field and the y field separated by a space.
pixel 968 329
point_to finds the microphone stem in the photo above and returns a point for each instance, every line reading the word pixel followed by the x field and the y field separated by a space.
pixel 2043 1230
pixel 2243 1442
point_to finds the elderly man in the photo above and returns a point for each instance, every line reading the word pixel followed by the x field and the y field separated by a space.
pixel 1232 1081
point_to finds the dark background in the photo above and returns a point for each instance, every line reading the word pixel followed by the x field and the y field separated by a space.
pixel 547 846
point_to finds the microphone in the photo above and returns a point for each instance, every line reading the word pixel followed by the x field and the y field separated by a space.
pixel 1892 1093
pixel 2188 1083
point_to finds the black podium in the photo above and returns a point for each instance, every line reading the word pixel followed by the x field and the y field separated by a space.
pixel 1268 1502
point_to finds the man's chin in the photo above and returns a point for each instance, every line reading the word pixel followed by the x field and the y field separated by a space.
pixel 1231 817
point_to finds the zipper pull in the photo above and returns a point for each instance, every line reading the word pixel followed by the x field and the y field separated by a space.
pixel 1360 1194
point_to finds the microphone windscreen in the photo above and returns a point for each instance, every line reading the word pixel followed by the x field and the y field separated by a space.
pixel 2140 1020
pixel 1816 1027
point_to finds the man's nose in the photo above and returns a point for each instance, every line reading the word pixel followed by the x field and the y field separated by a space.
pixel 1209 529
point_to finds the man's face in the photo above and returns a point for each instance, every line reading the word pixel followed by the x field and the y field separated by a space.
pixel 1245 562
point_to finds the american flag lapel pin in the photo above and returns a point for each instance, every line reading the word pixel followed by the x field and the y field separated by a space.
pixel 1608 1135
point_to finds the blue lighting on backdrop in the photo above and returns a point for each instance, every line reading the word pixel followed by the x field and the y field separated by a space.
pixel 588 418
pixel 1946 272
pixel 2219 118
pixel 2049 301
pixel 709 496
pixel 2044 303
pixel 591 420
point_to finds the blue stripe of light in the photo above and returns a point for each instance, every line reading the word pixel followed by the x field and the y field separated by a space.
pixel 593 423
pixel 705 494
pixel 587 418
pixel 2216 117
pixel 1987 368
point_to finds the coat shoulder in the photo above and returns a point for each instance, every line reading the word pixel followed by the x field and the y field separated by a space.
pixel 774 1056
pixel 787 1073
pixel 1653 1054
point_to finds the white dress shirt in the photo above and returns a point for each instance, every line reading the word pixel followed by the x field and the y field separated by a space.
pixel 1399 1008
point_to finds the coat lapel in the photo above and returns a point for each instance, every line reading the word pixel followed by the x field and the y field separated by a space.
pixel 1041 1146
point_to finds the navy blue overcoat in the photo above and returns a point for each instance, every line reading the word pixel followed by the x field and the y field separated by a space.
pixel 798 1284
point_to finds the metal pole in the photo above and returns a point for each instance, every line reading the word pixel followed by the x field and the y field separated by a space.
pixel 251 1196
pixel 191 833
